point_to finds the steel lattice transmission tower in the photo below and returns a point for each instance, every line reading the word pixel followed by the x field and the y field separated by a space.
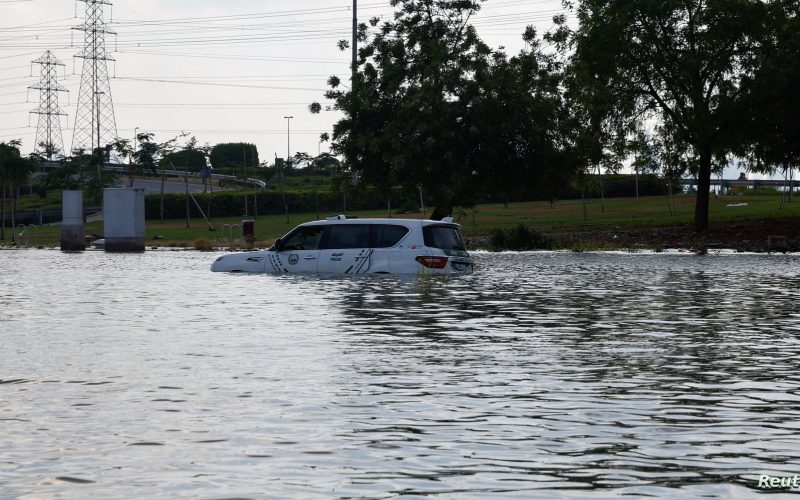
pixel 95 125
pixel 48 130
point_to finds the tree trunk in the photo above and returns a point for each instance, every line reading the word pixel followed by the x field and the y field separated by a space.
pixel 246 208
pixel 583 203
pixel 602 191
pixel 283 196
pixel 785 187
pixel 669 197
pixel 316 198
pixel 100 184
pixel 703 191
pixel 14 216
pixel 636 171
pixel 210 197
pixel 244 173
pixel 186 191
pixel 163 180
pixel 3 225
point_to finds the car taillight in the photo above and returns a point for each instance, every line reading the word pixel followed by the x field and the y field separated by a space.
pixel 432 262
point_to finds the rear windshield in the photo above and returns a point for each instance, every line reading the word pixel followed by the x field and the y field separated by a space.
pixel 444 237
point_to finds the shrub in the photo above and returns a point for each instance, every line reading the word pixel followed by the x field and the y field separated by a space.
pixel 520 237
pixel 204 244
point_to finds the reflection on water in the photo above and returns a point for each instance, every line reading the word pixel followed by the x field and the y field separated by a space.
pixel 541 375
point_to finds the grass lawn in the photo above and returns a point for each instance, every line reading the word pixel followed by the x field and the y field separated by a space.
pixel 563 217
pixel 568 216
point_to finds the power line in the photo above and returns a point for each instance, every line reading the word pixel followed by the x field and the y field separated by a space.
pixel 25 26
pixel 272 87
pixel 236 132
pixel 173 104
pixel 252 15
pixel 235 57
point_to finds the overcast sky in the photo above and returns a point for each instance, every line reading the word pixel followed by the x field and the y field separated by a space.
pixel 220 70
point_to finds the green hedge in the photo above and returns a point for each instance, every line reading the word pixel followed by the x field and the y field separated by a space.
pixel 229 204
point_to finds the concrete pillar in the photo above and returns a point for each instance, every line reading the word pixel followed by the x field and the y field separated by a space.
pixel 123 220
pixel 72 230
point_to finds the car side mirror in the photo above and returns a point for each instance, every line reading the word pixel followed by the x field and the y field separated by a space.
pixel 278 245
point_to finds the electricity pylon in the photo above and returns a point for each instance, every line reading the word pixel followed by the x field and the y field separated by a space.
pixel 48 131
pixel 95 125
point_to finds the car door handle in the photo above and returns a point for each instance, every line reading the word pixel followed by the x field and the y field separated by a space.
pixel 309 257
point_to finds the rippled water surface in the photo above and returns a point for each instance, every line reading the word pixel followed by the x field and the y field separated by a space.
pixel 542 375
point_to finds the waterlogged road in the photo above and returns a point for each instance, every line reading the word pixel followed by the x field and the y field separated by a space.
pixel 542 375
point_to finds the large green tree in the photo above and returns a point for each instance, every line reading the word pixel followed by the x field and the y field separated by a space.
pixel 679 60
pixel 234 156
pixel 770 124
pixel 431 105
pixel 521 131
pixel 406 115
pixel 147 153
pixel 189 157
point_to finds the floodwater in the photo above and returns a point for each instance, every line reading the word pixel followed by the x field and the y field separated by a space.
pixel 543 375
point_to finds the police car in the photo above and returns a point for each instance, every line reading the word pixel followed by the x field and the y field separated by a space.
pixel 342 245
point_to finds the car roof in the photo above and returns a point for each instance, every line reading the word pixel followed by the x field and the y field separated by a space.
pixel 424 222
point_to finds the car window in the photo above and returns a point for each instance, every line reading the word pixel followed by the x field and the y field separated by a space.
pixel 444 237
pixel 348 236
pixel 304 238
pixel 388 235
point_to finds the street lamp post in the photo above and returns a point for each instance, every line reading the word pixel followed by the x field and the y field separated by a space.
pixel 279 172
pixel 133 150
pixel 288 138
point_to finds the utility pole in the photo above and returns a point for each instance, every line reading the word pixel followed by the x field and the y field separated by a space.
pixel 288 155
pixel 355 40
pixel 134 148
pixel 288 139
pixel 244 167
pixel 95 124
pixel 48 130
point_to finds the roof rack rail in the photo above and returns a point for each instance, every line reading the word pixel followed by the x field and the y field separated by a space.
pixel 341 217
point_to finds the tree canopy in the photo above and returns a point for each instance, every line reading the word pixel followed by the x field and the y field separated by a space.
pixel 680 61
pixel 432 105
pixel 769 124
pixel 234 155
pixel 192 159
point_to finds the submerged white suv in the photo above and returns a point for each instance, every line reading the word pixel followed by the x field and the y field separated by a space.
pixel 340 245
